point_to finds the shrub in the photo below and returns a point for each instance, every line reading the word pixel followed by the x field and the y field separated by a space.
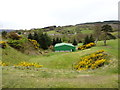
pixel 30 36
pixel 3 44
pixel 19 33
pixel 4 34
pixel 15 43
pixel 43 39
pixel 27 65
pixel 3 64
pixel 23 64
pixel 35 43
pixel 88 40
pixel 92 61
pixel 14 36
pixel 86 46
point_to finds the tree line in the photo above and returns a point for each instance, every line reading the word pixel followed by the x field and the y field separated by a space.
pixel 45 41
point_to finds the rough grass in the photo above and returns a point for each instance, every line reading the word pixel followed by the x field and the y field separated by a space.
pixel 12 56
pixel 57 71
pixel 56 79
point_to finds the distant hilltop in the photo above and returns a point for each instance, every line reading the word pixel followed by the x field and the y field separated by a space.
pixel 7 30
pixel 49 28
pixel 104 22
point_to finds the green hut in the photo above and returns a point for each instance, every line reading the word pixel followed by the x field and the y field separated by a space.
pixel 64 47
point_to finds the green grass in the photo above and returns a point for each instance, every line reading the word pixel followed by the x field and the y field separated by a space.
pixel 87 31
pixel 58 79
pixel 57 71
pixel 52 32
pixel 12 56
pixel 115 33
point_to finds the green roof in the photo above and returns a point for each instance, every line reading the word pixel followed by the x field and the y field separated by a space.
pixel 61 44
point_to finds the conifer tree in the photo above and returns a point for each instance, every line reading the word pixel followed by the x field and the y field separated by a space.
pixel 30 36
pixel 44 41
pixel 91 39
pixel 53 42
pixel 60 41
pixel 74 42
pixel 86 41
pixel 35 36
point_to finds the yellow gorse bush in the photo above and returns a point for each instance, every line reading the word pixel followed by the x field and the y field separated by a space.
pixel 27 64
pixel 35 43
pixel 23 64
pixel 92 61
pixel 3 64
pixel 86 46
pixel 3 44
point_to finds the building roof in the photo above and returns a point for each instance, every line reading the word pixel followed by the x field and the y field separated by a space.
pixel 61 44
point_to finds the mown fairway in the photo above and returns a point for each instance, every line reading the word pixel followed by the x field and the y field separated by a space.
pixel 57 70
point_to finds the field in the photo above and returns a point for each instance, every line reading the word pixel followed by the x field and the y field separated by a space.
pixel 87 31
pixel 57 71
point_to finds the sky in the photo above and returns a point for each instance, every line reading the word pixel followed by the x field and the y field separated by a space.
pixel 27 14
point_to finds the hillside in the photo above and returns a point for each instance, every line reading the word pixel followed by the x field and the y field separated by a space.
pixel 29 61
pixel 84 27
pixel 57 70
pixel 71 29
pixel 12 56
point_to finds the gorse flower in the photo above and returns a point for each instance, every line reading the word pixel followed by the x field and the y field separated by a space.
pixel 3 44
pixel 86 46
pixel 26 64
pixel 23 64
pixel 92 61
pixel 35 43
pixel 3 64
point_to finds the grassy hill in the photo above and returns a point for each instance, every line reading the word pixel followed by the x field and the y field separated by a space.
pixel 57 70
pixel 12 56
pixel 86 28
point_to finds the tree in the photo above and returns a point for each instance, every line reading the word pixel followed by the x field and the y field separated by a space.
pixel 35 36
pixel 86 41
pixel 57 40
pixel 4 34
pixel 79 36
pixel 74 42
pixel 97 31
pixel 44 41
pixel 111 36
pixel 19 33
pixel 53 41
pixel 60 41
pixel 30 36
pixel 106 29
pixel 14 36
pixel 91 39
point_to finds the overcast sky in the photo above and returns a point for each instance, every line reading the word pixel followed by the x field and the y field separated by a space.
pixel 27 14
